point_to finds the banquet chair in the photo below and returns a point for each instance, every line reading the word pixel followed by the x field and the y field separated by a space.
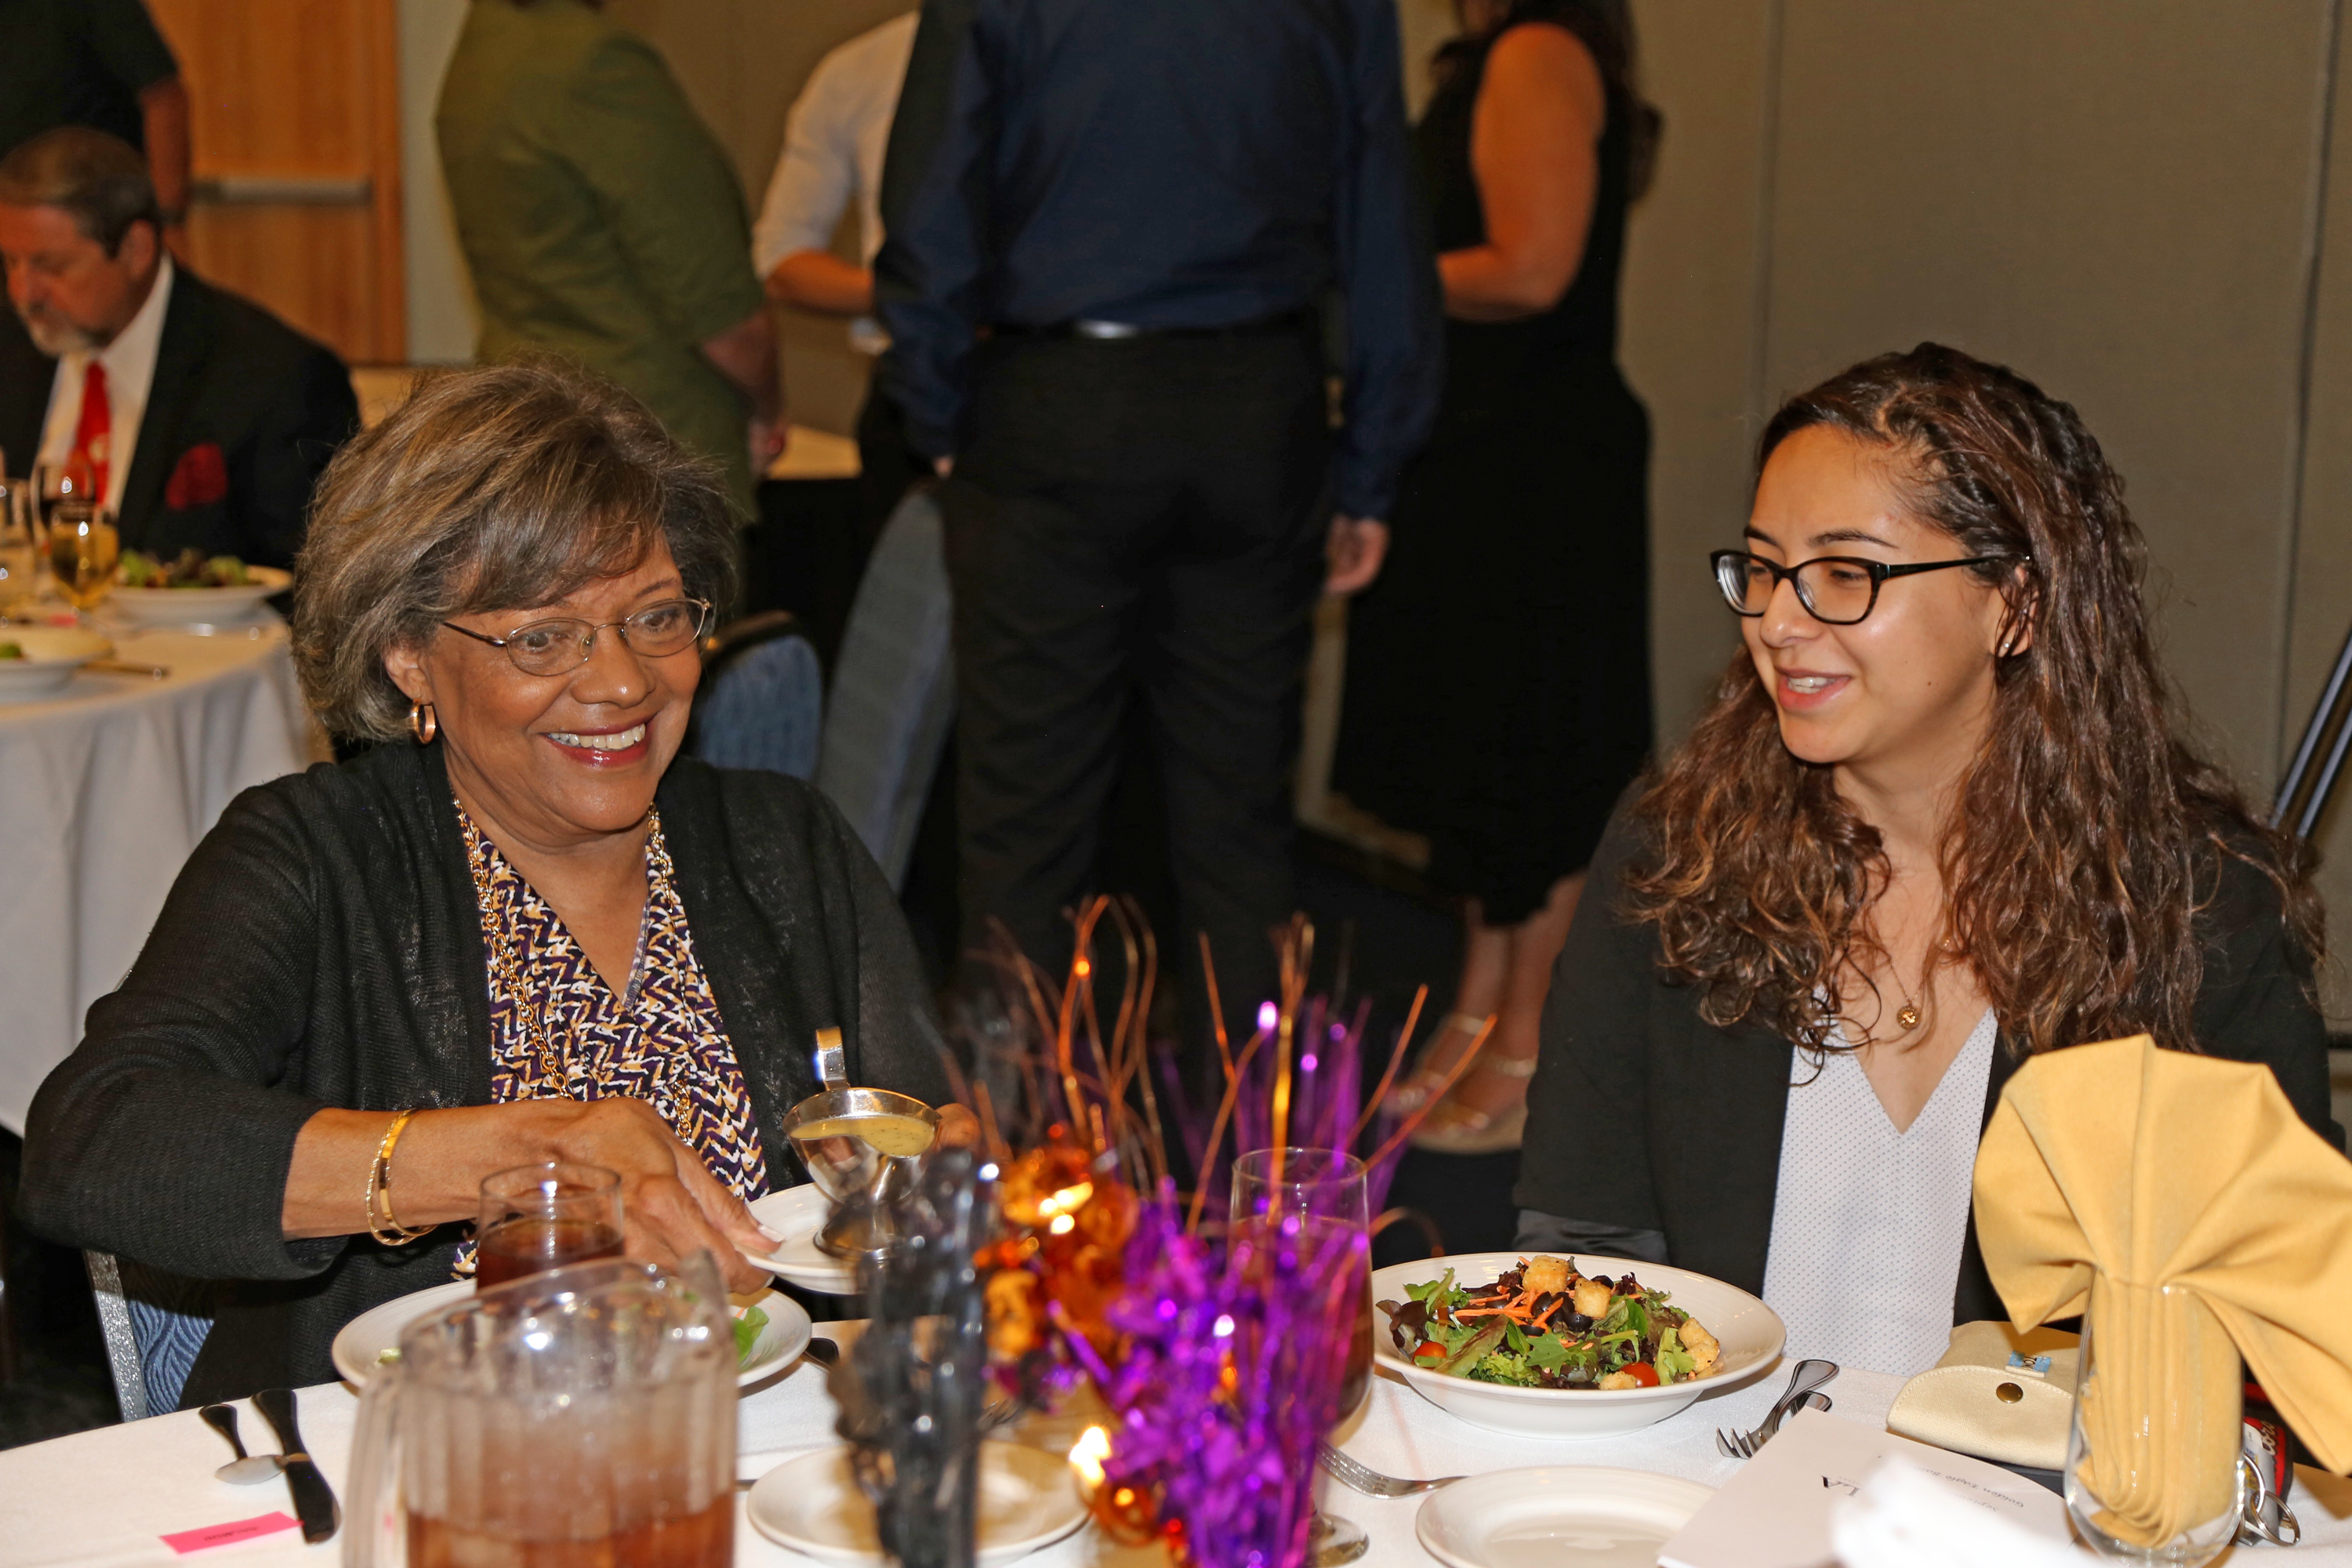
pixel 893 687
pixel 154 1324
pixel 762 698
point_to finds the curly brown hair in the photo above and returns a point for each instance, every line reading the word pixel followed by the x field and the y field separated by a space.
pixel 2087 833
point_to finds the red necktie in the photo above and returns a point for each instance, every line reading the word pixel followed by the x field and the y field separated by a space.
pixel 94 435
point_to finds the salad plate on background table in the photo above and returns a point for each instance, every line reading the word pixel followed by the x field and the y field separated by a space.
pixel 797 1213
pixel 812 1504
pixel 776 1345
pixel 1560 1516
pixel 1749 1332
pixel 217 606
pixel 49 657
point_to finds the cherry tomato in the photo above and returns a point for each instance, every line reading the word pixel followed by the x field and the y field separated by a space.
pixel 1429 1353
pixel 1642 1372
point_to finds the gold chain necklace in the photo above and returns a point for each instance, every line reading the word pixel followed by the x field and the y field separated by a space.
pixel 1907 1015
pixel 499 938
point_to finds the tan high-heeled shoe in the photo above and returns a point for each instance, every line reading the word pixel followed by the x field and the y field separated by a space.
pixel 1417 1087
pixel 1453 1128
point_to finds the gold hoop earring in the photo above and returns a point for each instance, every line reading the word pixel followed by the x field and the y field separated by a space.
pixel 422 723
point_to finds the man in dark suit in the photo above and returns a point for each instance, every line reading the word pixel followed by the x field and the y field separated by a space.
pixel 204 420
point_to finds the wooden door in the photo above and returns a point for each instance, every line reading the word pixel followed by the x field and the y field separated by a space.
pixel 295 133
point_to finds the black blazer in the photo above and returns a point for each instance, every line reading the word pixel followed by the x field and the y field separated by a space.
pixel 1643 1115
pixel 323 948
pixel 230 375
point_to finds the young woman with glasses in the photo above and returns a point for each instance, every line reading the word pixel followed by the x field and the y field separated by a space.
pixel 1940 816
pixel 519 928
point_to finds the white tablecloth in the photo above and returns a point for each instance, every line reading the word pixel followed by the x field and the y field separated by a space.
pixel 104 791
pixel 102 1498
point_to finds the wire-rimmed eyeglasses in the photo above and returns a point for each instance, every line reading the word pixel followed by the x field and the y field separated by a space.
pixel 1836 590
pixel 561 646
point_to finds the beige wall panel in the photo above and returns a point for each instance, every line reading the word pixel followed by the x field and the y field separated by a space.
pixel 1690 309
pixel 742 62
pixel 2114 199
pixel 2321 604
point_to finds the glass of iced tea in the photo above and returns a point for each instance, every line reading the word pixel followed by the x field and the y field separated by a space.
pixel 536 1217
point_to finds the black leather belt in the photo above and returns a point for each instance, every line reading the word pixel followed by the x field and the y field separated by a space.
pixel 1098 331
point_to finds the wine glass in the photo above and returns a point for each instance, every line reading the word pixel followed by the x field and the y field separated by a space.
pixel 1321 1189
pixel 83 549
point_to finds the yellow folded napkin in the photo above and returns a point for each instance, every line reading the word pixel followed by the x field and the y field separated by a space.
pixel 2112 1171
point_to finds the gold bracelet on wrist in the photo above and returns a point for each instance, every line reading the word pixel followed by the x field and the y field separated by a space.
pixel 389 1230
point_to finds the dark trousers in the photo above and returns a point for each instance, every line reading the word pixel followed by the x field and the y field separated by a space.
pixel 1138 520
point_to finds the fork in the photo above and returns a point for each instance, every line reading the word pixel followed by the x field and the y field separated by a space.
pixel 1809 1376
pixel 1370 1481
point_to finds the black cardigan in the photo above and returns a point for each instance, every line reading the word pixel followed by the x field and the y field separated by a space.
pixel 323 948
pixel 1644 1116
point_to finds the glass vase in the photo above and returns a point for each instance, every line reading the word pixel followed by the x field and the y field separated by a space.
pixel 2152 1471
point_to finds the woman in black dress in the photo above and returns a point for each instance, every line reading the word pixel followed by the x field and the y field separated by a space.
pixel 1499 695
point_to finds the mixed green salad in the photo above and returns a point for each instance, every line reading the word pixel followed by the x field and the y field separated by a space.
pixel 189 569
pixel 749 1323
pixel 1544 1325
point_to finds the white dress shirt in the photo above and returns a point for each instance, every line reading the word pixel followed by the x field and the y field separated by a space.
pixel 130 362
pixel 1868 1223
pixel 834 143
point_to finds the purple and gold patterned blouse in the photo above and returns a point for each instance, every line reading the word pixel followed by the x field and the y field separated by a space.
pixel 662 1040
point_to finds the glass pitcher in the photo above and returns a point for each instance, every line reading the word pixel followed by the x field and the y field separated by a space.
pixel 583 1416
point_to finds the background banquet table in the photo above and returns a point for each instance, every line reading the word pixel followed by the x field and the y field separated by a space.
pixel 104 790
pixel 103 1499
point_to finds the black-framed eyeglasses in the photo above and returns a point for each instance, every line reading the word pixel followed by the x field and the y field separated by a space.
pixel 1836 590
pixel 561 646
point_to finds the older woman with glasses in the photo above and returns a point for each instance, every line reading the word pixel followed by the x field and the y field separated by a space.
pixel 519 928
pixel 1939 818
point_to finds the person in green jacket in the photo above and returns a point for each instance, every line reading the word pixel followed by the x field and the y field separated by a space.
pixel 602 223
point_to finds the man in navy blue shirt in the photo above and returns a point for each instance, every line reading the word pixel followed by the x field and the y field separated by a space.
pixel 1113 228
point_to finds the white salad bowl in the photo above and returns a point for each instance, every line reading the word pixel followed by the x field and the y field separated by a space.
pixel 1749 1332
pixel 46 658
pixel 181 606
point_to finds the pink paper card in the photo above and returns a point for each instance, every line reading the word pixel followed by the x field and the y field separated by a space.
pixel 187 1541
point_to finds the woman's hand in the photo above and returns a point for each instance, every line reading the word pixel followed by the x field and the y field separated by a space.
pixel 670 1203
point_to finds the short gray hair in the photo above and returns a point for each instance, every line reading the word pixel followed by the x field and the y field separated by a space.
pixel 496 489
pixel 100 181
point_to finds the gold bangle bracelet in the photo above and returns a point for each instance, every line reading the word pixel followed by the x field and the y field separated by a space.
pixel 389 1230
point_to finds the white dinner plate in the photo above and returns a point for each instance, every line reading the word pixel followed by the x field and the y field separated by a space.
pixel 811 1503
pixel 1749 1332
pixel 220 606
pixel 797 1213
pixel 362 1341
pixel 1559 1516
pixel 51 656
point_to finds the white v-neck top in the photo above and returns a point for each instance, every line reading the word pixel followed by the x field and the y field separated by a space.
pixel 1868 1223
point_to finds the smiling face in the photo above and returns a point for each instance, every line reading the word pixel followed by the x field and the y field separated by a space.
pixel 558 761
pixel 1900 701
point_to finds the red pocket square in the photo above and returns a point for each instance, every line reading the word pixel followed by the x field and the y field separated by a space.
pixel 199 478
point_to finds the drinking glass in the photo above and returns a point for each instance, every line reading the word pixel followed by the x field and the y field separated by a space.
pixel 536 1217
pixel 83 549
pixel 19 559
pixel 1319 1189
pixel 2152 1460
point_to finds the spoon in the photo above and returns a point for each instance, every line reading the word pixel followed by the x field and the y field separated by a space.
pixel 241 1471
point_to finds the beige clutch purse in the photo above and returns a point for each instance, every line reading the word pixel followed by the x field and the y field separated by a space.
pixel 1997 1394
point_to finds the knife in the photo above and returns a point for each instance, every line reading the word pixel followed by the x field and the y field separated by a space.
pixel 314 1501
